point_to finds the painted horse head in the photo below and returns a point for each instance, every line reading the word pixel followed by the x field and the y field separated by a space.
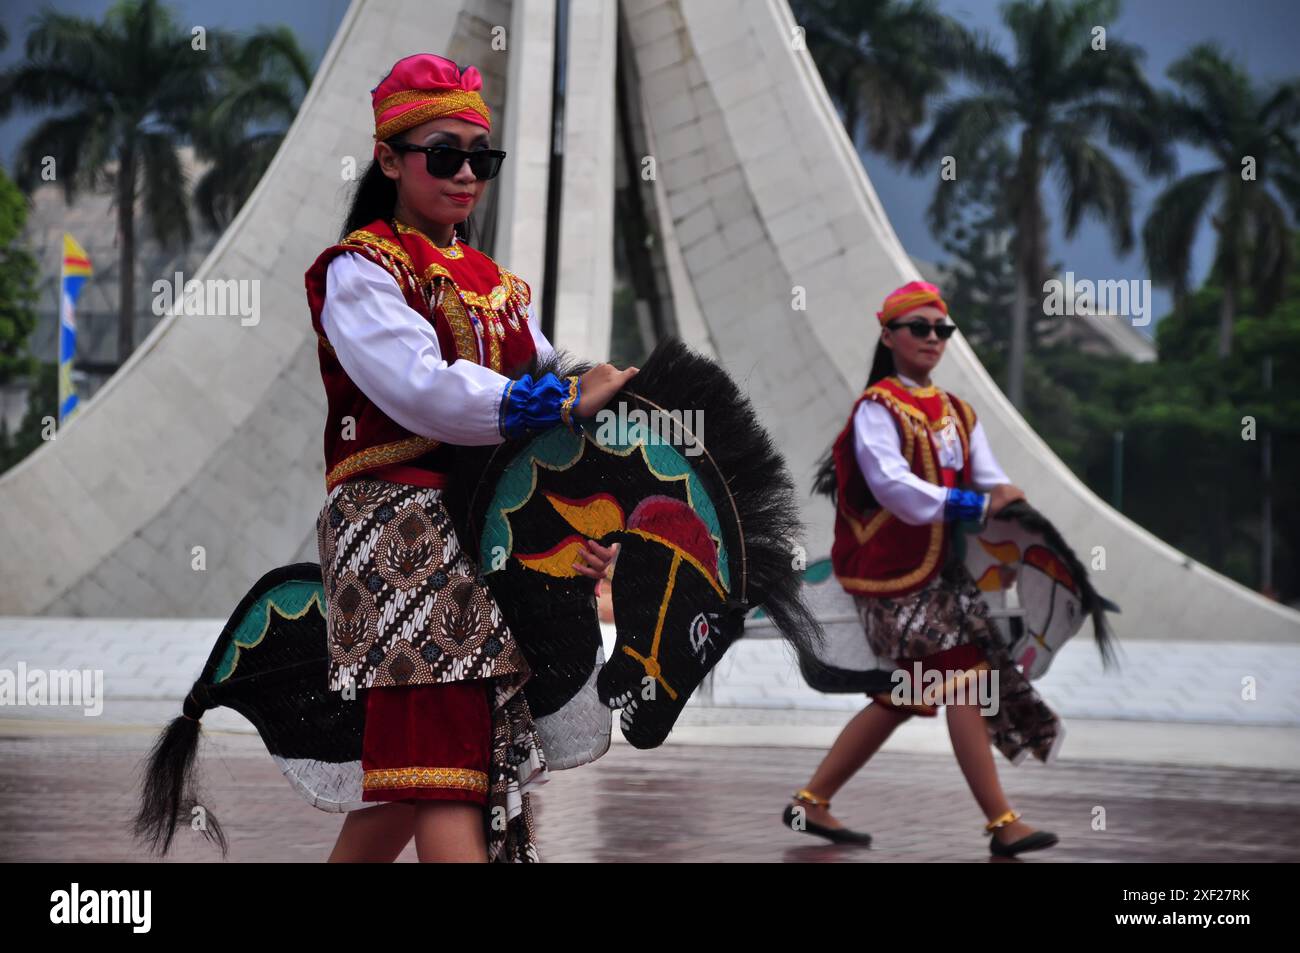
pixel 706 530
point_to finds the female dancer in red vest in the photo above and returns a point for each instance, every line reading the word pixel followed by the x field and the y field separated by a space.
pixel 902 472
pixel 421 338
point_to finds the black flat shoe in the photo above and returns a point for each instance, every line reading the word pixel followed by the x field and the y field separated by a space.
pixel 1035 841
pixel 837 835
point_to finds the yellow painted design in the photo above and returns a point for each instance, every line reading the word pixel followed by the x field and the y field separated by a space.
pixel 594 519
pixel 559 563
pixel 651 663
pixel 1003 552
pixel 532 470
pixel 681 555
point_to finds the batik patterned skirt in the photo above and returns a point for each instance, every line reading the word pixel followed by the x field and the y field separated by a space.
pixel 413 629
pixel 945 625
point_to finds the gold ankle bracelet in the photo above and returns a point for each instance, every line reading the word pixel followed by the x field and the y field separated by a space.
pixel 803 794
pixel 1001 821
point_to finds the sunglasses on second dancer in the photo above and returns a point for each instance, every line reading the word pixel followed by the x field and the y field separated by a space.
pixel 443 162
pixel 921 328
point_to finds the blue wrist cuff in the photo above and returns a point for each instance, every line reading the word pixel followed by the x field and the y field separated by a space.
pixel 528 405
pixel 966 506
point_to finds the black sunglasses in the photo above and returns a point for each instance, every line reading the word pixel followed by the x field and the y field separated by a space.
pixel 921 328
pixel 443 162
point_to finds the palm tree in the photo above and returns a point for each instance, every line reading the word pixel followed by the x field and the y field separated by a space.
pixel 262 79
pixel 1054 99
pixel 881 61
pixel 126 89
pixel 1220 110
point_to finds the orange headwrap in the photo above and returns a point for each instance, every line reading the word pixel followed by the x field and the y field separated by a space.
pixel 912 295
pixel 423 87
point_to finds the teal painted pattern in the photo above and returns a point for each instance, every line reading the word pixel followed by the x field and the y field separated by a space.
pixel 558 449
pixel 290 599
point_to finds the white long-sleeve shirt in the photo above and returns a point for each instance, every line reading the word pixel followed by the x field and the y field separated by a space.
pixel 392 353
pixel 877 446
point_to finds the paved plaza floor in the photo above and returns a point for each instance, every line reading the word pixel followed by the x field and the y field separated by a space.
pixel 68 789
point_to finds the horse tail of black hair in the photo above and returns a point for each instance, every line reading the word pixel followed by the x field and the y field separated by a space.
pixel 168 791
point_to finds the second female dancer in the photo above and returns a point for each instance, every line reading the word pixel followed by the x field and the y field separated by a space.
pixel 910 463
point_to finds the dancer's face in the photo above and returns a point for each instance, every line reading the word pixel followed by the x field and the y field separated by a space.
pixel 442 201
pixel 915 357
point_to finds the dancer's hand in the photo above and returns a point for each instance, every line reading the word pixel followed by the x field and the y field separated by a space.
pixel 596 559
pixel 1003 494
pixel 600 384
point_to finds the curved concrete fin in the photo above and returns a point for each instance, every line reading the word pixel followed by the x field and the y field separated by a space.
pixel 199 466
pixel 779 251
pixel 789 253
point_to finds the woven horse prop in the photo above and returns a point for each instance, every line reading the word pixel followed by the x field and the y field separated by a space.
pixel 707 531
pixel 1019 551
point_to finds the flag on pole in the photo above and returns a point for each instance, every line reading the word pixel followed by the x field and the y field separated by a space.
pixel 76 269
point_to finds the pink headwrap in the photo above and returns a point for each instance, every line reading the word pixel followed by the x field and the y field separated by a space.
pixel 912 295
pixel 423 87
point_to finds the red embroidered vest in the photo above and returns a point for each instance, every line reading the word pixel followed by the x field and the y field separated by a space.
pixel 875 553
pixel 454 288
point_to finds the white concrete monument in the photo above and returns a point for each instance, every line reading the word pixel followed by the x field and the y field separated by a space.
pixel 205 449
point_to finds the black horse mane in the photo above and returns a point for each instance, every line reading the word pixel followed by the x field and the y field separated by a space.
pixel 742 464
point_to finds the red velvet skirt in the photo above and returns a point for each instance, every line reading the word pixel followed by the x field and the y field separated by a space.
pixel 427 741
pixel 962 657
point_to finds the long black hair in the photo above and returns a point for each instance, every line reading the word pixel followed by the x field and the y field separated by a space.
pixel 882 366
pixel 376 197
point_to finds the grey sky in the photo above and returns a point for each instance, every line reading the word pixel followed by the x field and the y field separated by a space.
pixel 1260 33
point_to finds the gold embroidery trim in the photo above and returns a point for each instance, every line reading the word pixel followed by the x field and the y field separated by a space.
pixel 928 391
pixel 452 251
pixel 930 466
pixel 459 97
pixel 962 435
pixel 462 330
pixel 494 343
pixel 494 300
pixel 384 453
pixel 881 396
pixel 446 104
pixel 863 533
pixel 435 271
pixel 363 237
pixel 566 408
pixel 928 562
pixel 459 779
